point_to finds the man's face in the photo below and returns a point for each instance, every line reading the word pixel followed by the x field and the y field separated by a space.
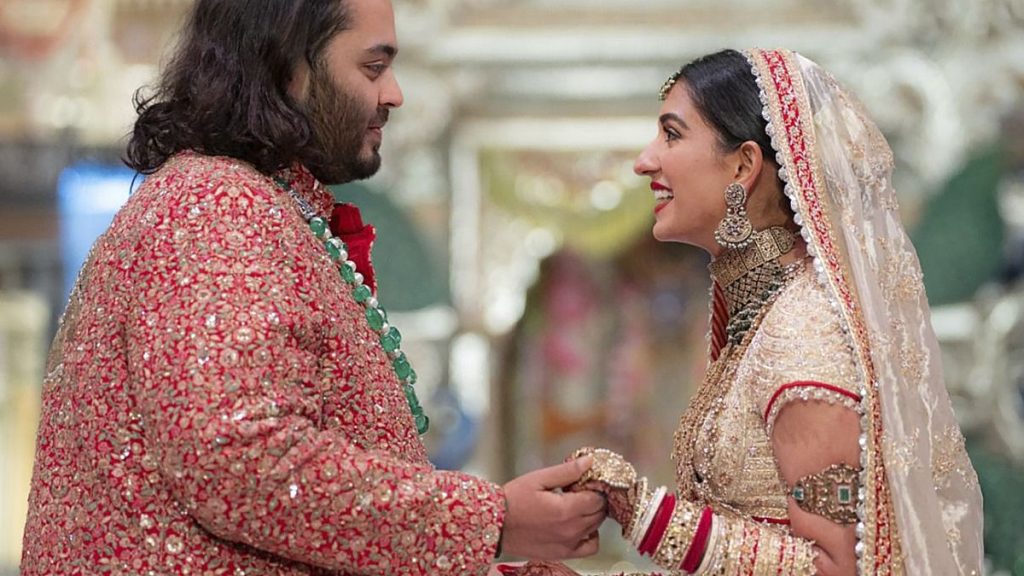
pixel 351 89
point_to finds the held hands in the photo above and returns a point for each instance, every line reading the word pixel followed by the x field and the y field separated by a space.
pixel 615 478
pixel 543 524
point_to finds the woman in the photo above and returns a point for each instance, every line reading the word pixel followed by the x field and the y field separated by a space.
pixel 822 440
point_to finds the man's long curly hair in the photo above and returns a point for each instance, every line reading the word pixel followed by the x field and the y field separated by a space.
pixel 225 90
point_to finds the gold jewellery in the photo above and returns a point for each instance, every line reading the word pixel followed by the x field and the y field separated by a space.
pixel 735 230
pixel 831 493
pixel 609 468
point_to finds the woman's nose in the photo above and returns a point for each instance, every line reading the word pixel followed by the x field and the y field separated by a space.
pixel 645 164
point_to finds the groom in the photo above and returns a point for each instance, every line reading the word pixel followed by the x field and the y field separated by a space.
pixel 224 395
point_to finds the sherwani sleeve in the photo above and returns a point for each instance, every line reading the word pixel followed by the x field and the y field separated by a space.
pixel 237 340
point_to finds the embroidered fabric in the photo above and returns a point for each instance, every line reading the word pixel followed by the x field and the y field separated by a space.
pixel 215 403
pixel 808 391
pixel 920 511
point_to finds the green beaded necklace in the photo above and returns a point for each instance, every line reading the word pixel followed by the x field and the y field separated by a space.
pixel 376 317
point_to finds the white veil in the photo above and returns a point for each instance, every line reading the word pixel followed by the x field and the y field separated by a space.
pixel 920 500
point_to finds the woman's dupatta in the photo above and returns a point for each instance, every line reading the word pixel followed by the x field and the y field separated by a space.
pixel 920 506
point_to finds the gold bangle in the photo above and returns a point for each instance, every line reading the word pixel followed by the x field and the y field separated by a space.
pixel 680 531
pixel 638 496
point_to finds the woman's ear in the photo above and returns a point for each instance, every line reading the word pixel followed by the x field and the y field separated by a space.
pixel 749 163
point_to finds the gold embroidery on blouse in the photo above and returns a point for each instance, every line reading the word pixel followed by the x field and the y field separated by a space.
pixel 723 449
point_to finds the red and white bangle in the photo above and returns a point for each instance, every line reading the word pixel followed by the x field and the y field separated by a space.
pixel 641 527
pixel 712 561
pixel 698 546
pixel 649 543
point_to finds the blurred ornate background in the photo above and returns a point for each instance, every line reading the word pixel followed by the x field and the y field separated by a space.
pixel 514 237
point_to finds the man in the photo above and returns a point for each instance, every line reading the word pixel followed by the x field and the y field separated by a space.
pixel 224 395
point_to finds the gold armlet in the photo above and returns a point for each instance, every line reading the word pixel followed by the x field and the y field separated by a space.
pixel 831 493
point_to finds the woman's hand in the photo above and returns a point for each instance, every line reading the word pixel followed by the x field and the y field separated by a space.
pixel 615 478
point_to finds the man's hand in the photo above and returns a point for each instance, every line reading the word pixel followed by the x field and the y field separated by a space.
pixel 533 569
pixel 620 501
pixel 544 524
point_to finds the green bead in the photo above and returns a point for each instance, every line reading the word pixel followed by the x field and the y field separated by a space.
pixel 411 378
pixel 422 423
pixel 391 340
pixel 348 274
pixel 402 367
pixel 333 249
pixel 319 226
pixel 410 397
pixel 375 317
pixel 362 293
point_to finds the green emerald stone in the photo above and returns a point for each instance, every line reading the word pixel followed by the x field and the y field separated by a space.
pixel 391 340
pixel 375 317
pixel 411 378
pixel 348 274
pixel 319 226
pixel 422 423
pixel 845 494
pixel 333 249
pixel 362 293
pixel 798 494
pixel 402 367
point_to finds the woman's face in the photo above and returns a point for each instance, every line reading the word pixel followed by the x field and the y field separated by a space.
pixel 688 172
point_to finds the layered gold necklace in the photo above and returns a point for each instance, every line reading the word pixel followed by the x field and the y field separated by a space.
pixel 751 279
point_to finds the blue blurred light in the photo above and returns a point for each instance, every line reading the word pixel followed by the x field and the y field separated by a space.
pixel 88 196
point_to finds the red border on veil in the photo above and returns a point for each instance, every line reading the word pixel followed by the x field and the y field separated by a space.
pixel 803 176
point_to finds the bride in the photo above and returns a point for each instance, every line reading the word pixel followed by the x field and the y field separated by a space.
pixel 822 440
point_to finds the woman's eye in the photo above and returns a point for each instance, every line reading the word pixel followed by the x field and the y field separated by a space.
pixel 670 135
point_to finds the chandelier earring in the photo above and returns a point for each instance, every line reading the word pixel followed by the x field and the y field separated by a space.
pixel 735 230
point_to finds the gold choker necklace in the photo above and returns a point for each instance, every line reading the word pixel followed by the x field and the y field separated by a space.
pixel 751 276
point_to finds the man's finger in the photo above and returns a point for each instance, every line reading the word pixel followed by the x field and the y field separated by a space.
pixel 588 547
pixel 592 523
pixel 586 503
pixel 563 474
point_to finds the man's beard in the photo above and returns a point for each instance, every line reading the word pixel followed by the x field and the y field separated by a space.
pixel 339 125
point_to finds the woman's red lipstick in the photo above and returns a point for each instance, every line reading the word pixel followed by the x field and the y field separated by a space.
pixel 660 203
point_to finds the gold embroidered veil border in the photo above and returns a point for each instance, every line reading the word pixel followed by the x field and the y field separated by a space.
pixel 838 172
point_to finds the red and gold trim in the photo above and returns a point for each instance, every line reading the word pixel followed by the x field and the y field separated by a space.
pixel 786 100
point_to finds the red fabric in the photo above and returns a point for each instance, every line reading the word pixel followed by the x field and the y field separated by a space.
pixel 806 384
pixel 221 405
pixel 700 542
pixel 347 224
pixel 649 543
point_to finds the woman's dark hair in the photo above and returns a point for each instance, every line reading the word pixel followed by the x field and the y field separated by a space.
pixel 723 88
pixel 224 92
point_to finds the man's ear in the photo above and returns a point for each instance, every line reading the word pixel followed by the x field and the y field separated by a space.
pixel 298 86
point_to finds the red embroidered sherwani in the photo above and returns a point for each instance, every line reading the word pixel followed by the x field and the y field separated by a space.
pixel 215 403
